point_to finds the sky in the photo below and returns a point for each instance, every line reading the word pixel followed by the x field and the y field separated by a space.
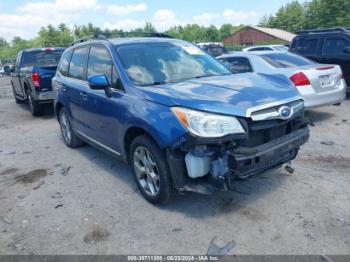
pixel 25 18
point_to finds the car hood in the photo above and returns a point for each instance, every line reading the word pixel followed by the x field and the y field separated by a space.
pixel 231 94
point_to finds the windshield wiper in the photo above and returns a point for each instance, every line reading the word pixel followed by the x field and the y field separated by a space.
pixel 156 83
pixel 202 76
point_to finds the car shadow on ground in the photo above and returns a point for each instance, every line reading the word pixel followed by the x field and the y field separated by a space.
pixel 48 111
pixel 318 116
pixel 195 205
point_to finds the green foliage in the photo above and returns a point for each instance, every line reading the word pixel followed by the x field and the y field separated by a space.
pixel 197 33
pixel 314 14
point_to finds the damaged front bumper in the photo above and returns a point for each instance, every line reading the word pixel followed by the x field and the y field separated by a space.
pixel 229 161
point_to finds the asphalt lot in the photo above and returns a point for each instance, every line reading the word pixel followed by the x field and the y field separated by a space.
pixel 56 200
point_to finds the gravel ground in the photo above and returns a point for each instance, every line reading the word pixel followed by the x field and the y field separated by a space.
pixel 56 200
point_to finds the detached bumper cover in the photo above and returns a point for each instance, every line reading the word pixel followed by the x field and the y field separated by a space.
pixel 245 162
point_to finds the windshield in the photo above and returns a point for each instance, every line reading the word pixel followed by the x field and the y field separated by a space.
pixel 164 62
pixel 286 60
pixel 44 58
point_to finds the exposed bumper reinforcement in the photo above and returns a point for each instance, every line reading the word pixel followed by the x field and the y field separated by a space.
pixel 245 162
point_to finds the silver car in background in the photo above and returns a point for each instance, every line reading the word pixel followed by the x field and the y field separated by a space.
pixel 318 84
pixel 280 48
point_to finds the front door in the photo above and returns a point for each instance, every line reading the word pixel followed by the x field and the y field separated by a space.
pixel 15 77
pixel 105 113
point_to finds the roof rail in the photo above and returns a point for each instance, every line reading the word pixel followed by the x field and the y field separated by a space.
pixel 86 38
pixel 325 30
pixel 106 36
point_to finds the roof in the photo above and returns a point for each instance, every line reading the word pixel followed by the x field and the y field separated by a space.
pixel 281 34
pixel 128 40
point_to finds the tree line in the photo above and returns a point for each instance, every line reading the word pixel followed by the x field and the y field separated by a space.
pixel 314 14
pixel 62 36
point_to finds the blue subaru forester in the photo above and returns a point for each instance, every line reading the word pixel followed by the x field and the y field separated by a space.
pixel 175 114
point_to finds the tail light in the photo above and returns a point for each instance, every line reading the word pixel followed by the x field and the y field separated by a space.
pixel 36 80
pixel 300 79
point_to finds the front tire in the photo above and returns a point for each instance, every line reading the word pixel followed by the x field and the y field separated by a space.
pixel 18 101
pixel 151 171
pixel 68 135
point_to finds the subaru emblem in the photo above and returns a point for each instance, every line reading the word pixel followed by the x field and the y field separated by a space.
pixel 285 112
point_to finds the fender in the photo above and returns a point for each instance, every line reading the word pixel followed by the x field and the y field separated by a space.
pixel 155 119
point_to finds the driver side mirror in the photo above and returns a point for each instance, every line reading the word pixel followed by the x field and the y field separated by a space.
pixel 98 82
pixel 347 49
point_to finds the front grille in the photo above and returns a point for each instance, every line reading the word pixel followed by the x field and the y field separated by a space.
pixel 261 132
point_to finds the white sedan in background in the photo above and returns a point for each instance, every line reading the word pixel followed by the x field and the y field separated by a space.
pixel 318 84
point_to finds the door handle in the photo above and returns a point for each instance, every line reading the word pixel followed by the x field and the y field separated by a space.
pixel 83 95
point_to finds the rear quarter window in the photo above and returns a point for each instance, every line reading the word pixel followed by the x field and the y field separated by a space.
pixel 63 67
pixel 335 46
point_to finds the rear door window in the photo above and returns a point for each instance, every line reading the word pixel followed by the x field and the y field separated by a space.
pixel 78 62
pixel 261 49
pixel 63 67
pixel 335 46
pixel 238 64
pixel 307 46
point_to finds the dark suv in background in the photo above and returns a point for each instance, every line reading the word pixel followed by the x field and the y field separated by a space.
pixel 31 76
pixel 326 46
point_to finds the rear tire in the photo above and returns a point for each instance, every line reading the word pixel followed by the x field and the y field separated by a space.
pixel 151 170
pixel 68 135
pixel 34 107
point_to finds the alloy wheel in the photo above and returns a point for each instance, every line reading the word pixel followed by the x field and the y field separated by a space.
pixel 65 128
pixel 146 171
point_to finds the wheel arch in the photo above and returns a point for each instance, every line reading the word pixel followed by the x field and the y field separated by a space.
pixel 131 133
pixel 57 108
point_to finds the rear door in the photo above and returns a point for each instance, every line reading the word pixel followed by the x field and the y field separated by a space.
pixel 333 52
pixel 76 86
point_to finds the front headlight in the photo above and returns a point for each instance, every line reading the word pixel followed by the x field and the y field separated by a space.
pixel 206 124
